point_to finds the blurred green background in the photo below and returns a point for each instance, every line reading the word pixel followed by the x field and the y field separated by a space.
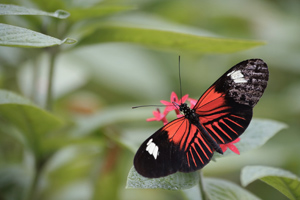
pixel 96 83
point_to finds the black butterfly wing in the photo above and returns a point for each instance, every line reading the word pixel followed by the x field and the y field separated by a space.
pixel 225 109
pixel 177 146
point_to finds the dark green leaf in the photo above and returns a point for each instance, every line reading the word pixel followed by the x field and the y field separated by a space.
pixel 96 11
pixel 29 119
pixel 14 180
pixel 282 180
pixel 166 40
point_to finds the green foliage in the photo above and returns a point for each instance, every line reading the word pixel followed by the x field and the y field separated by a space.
pixel 97 11
pixel 177 181
pixel 256 135
pixel 20 10
pixel 166 40
pixel 67 130
pixel 220 189
pixel 35 123
pixel 22 37
pixel 282 180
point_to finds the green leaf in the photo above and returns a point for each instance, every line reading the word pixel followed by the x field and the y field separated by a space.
pixel 166 40
pixel 177 181
pixel 22 37
pixel 256 135
pixel 14 180
pixel 259 132
pixel 32 121
pixel 69 166
pixel 282 180
pixel 97 11
pixel 107 116
pixel 7 9
pixel 217 189
pixel 50 5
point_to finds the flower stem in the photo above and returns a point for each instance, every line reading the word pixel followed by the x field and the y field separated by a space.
pixel 201 188
pixel 32 194
pixel 49 98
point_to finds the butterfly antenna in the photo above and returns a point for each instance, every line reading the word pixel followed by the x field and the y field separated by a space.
pixel 148 106
pixel 179 78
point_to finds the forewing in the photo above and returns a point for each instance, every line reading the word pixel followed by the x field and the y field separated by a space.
pixel 177 146
pixel 225 109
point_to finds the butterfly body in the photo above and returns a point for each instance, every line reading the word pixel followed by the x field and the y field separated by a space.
pixel 194 119
pixel 220 116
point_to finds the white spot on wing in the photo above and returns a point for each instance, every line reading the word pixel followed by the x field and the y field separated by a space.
pixel 149 141
pixel 237 76
pixel 155 152
pixel 152 148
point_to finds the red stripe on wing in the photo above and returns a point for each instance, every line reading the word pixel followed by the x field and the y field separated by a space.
pixel 223 119
pixel 191 142
pixel 235 121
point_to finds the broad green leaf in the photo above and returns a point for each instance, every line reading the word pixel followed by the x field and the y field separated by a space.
pixel 282 180
pixel 166 40
pixel 22 37
pixel 256 135
pixel 193 193
pixel 96 11
pixel 29 119
pixel 7 9
pixel 217 189
pixel 50 5
pixel 177 181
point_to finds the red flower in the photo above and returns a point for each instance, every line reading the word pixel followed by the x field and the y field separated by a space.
pixel 173 101
pixel 158 116
pixel 231 146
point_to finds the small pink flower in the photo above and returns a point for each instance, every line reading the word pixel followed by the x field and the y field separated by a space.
pixel 192 102
pixel 231 146
pixel 174 100
pixel 158 116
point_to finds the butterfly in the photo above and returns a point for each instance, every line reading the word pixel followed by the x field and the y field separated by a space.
pixel 221 115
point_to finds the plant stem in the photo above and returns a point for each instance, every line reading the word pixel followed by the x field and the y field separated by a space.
pixel 32 191
pixel 36 70
pixel 49 98
pixel 201 188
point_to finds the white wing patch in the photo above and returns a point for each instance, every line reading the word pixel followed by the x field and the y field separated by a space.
pixel 152 148
pixel 237 76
